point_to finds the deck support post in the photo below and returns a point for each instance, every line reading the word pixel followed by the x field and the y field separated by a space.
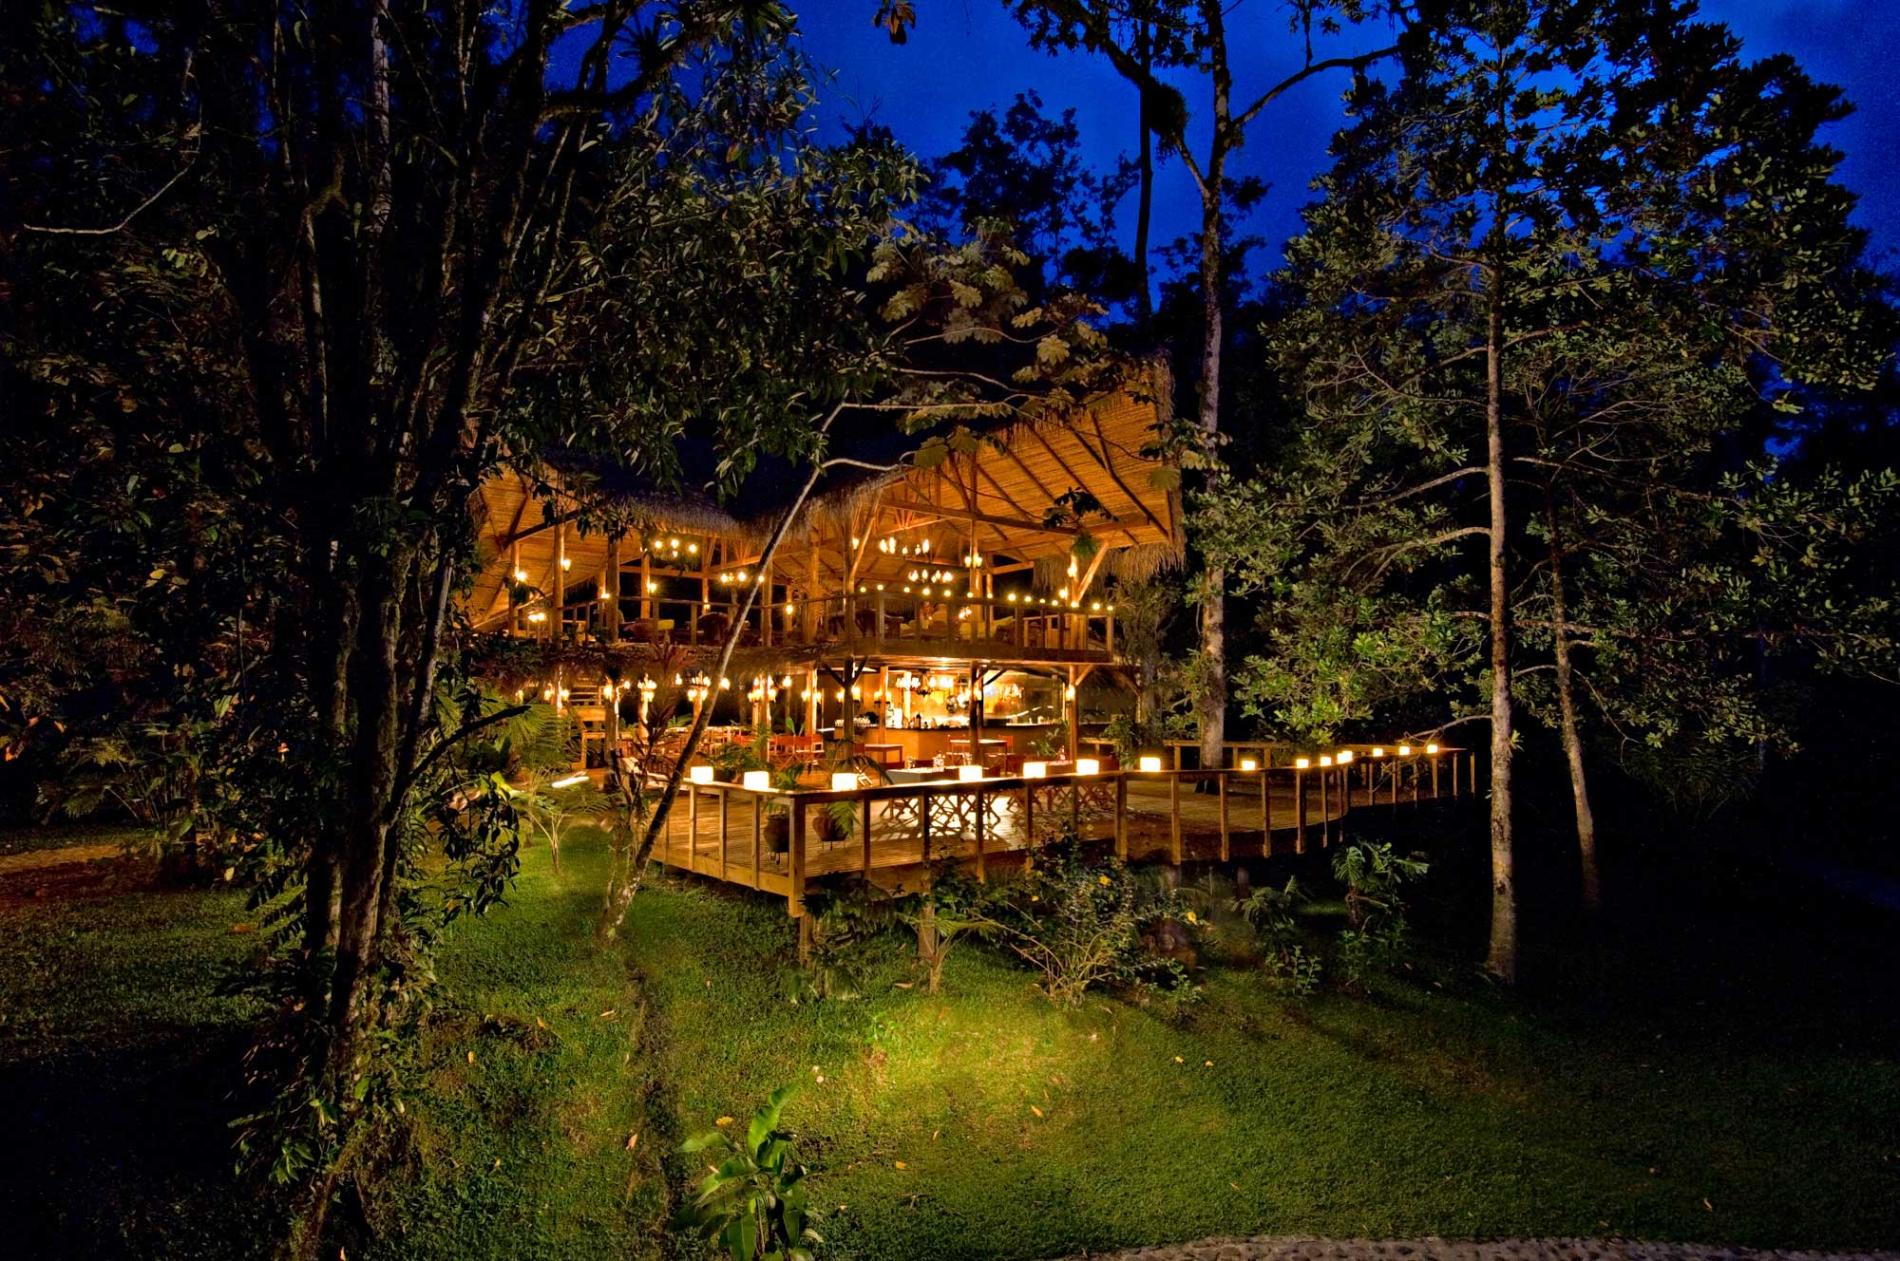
pixel 795 885
pixel 1299 811
pixel 1266 809
pixel 1226 850
pixel 865 823
pixel 982 826
pixel 1121 816
pixel 692 823
pixel 723 795
pixel 1325 810
pixel 1434 779
pixel 1175 847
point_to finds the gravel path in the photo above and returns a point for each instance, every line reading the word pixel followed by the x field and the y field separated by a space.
pixel 1302 1248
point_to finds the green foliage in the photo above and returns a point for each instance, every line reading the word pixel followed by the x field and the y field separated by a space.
pixel 1078 921
pixel 846 926
pixel 1274 916
pixel 1377 934
pixel 753 1204
pixel 951 909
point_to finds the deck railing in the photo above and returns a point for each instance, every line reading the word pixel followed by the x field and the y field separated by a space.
pixel 872 618
pixel 979 822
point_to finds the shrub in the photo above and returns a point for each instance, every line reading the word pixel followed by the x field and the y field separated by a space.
pixel 1376 935
pixel 844 923
pixel 1079 924
pixel 951 908
pixel 753 1203
pixel 1274 915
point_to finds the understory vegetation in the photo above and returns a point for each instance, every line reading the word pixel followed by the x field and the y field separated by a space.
pixel 984 1120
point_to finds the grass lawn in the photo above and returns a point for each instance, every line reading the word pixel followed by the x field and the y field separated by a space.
pixel 1023 1130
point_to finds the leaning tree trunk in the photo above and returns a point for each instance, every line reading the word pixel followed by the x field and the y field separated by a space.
pixel 1590 887
pixel 620 896
pixel 1501 959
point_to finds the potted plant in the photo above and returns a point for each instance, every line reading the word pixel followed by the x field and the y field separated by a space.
pixel 732 760
pixel 777 829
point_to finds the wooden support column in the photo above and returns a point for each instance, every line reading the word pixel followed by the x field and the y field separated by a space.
pixel 646 584
pixel 613 589
pixel 766 605
pixel 558 595
pixel 1072 715
pixel 976 712
pixel 514 568
pixel 813 609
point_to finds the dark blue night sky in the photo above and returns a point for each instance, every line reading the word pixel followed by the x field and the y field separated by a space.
pixel 969 54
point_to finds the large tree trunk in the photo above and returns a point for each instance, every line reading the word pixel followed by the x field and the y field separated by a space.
pixel 1211 690
pixel 1590 886
pixel 1501 959
pixel 1145 188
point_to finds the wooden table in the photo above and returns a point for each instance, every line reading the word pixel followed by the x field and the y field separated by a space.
pixel 885 755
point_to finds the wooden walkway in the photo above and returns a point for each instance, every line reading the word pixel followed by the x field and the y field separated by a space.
pixel 900 832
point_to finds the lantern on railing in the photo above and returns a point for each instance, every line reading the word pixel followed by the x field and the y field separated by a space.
pixel 1088 766
pixel 1150 762
pixel 700 774
pixel 757 781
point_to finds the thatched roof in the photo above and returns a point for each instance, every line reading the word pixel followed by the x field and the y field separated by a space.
pixel 1013 497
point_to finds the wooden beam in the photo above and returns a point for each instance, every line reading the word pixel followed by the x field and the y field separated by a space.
pixel 1080 484
pixel 1009 523
pixel 1108 467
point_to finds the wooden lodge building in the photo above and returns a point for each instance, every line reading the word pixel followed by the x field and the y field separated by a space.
pixel 937 646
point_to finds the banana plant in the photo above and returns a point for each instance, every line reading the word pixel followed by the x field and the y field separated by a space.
pixel 752 1202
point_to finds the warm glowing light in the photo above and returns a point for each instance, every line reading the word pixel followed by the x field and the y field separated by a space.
pixel 970 771
pixel 521 575
pixel 538 616
pixel 1325 759
pixel 1431 748
pixel 1405 750
pixel 1249 764
pixel 1035 770
pixel 1301 763
pixel 1088 766
pixel 1149 762
pixel 1378 751
pixel 700 774
pixel 757 781
pixel 567 562
pixel 843 781
pixel 1343 757
pixel 569 781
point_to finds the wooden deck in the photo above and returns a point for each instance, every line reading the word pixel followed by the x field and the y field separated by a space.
pixel 901 832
